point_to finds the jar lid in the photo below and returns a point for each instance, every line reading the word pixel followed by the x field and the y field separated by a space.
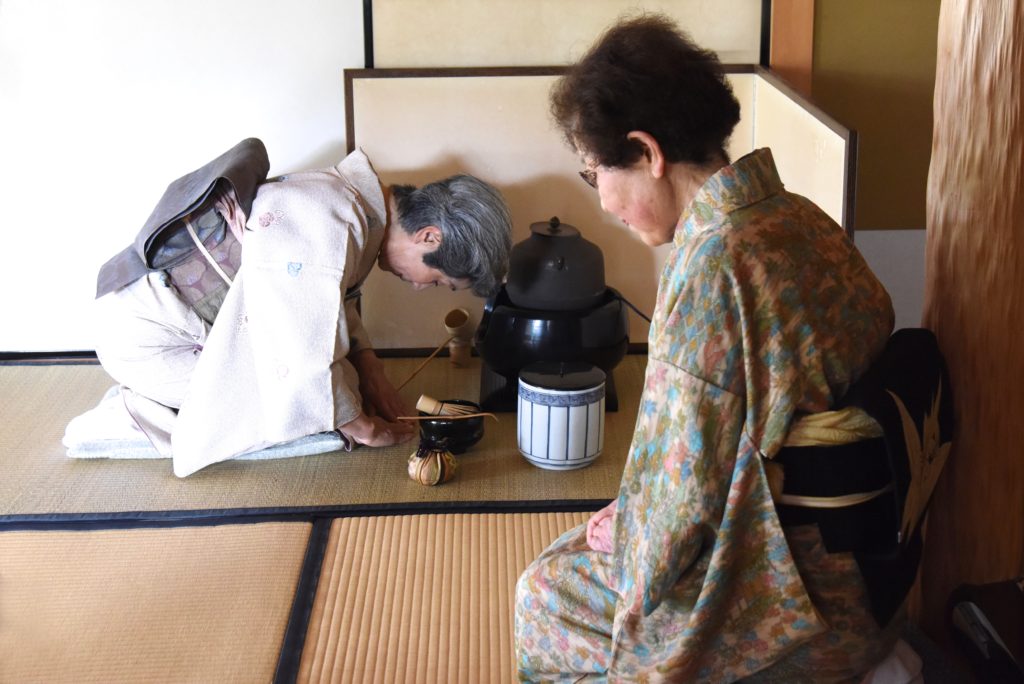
pixel 567 376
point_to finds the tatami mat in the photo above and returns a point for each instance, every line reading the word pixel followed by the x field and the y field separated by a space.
pixel 179 604
pixel 36 403
pixel 422 599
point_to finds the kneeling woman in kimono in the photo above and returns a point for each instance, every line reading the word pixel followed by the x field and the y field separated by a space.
pixel 231 323
pixel 765 312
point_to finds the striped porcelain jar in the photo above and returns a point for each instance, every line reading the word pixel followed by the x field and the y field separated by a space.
pixel 561 414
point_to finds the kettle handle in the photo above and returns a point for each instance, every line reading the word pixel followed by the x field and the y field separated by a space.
pixel 485 318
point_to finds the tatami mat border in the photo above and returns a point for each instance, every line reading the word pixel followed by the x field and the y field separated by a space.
pixel 294 641
pixel 20 360
pixel 219 516
pixel 56 358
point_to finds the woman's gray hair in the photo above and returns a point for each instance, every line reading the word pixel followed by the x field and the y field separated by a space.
pixel 475 223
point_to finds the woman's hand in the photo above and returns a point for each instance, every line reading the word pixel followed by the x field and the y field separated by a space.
pixel 600 526
pixel 379 395
pixel 374 431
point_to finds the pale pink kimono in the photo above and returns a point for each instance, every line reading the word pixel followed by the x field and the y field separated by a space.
pixel 273 367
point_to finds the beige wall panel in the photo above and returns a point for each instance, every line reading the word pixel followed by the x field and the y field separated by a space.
pixel 874 70
pixel 811 157
pixel 497 127
pixel 447 33
pixel 973 297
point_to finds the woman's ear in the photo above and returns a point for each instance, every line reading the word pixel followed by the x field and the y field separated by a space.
pixel 652 151
pixel 428 234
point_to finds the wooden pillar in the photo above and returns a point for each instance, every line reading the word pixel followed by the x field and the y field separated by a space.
pixel 792 42
pixel 974 298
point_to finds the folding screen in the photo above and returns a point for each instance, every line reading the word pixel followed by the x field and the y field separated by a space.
pixel 451 33
pixel 419 125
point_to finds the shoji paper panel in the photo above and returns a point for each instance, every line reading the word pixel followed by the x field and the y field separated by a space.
pixel 447 33
pixel 417 128
pixel 810 155
pixel 973 297
pixel 742 140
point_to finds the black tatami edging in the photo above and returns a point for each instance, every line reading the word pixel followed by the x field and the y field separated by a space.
pixel 228 516
pixel 66 358
pixel 290 656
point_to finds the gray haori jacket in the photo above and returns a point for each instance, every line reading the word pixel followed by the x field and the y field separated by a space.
pixel 163 242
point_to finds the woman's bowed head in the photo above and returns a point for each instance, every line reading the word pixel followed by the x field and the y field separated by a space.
pixel 649 113
pixel 454 233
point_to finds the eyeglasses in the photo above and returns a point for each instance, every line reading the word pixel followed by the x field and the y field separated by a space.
pixel 589 177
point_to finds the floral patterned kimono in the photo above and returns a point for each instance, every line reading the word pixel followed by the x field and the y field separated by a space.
pixel 765 312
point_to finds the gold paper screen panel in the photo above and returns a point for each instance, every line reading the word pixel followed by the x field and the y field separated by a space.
pixel 423 598
pixel 449 33
pixel 419 128
pixel 810 149
pixel 181 604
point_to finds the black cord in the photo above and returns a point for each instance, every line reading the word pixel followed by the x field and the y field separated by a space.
pixel 630 305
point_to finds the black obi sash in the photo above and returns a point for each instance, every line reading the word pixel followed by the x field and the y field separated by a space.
pixel 907 390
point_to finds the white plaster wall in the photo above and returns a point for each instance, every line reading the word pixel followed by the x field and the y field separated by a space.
pixel 897 258
pixel 104 102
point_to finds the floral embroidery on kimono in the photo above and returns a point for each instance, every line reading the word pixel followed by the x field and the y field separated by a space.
pixel 765 310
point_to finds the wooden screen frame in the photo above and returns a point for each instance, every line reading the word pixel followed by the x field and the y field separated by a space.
pixel 848 135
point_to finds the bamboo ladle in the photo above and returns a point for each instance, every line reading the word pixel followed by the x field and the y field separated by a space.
pixel 456 322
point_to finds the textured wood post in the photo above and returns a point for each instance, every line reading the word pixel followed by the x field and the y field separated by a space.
pixel 974 297
pixel 792 42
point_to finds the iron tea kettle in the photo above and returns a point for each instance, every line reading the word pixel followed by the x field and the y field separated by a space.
pixel 555 269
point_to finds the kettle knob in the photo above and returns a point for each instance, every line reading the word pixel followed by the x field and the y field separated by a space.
pixel 554 223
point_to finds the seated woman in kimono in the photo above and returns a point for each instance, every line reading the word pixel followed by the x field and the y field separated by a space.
pixel 765 312
pixel 231 323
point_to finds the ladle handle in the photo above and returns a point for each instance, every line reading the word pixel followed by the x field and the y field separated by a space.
pixel 425 362
pixel 459 416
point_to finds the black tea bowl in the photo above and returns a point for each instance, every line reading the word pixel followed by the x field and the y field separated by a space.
pixel 458 434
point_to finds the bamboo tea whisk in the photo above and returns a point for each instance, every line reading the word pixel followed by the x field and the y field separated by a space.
pixel 434 407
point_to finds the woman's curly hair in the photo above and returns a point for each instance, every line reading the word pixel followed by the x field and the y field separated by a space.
pixel 645 74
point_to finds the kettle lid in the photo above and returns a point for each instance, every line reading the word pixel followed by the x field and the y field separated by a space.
pixel 565 376
pixel 554 228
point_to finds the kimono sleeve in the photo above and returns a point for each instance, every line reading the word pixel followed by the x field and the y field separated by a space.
pixel 677 481
pixel 694 499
